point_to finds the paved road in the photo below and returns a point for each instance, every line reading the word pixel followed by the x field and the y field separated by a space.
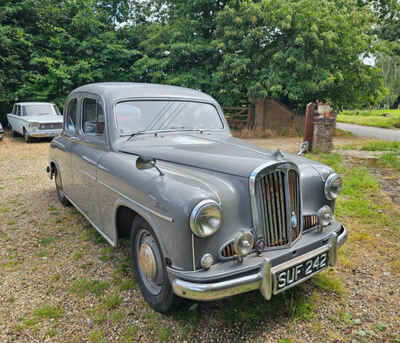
pixel 371 132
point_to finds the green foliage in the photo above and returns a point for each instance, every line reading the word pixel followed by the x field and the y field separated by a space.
pixel 295 51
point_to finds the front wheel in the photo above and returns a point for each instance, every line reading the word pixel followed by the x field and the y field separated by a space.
pixel 27 138
pixel 150 268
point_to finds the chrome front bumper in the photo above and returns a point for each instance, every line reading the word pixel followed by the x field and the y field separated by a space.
pixel 264 279
pixel 44 133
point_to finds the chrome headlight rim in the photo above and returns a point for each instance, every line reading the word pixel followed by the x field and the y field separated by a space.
pixel 195 227
pixel 34 126
pixel 328 185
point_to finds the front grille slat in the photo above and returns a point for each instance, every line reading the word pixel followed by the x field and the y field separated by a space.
pixel 50 126
pixel 278 200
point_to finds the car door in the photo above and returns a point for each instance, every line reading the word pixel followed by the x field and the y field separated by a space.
pixel 87 153
pixel 13 118
pixel 65 144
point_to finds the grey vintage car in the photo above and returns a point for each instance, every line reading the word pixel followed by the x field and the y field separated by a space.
pixel 209 216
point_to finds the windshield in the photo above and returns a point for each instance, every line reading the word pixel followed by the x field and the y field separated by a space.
pixel 134 116
pixel 40 109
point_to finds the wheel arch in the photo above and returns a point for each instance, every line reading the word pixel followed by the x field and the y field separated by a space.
pixel 125 213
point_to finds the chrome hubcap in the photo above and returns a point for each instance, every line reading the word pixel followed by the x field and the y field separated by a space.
pixel 147 262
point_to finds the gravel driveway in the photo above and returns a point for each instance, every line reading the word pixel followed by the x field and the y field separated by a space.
pixel 61 282
pixel 371 132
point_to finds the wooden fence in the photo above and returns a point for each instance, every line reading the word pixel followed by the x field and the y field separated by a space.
pixel 240 117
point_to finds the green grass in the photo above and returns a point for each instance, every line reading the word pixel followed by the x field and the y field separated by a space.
pixel 381 146
pixel 328 283
pixel 333 160
pixel 163 333
pixel 47 311
pixel 82 287
pixel 96 336
pixel 371 118
pixel 390 160
pixel 112 301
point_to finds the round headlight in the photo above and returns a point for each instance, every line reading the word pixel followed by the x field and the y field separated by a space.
pixel 244 242
pixel 333 186
pixel 206 218
pixel 34 125
pixel 325 216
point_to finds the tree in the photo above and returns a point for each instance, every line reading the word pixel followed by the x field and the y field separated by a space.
pixel 296 51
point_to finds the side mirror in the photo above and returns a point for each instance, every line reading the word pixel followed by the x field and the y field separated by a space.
pixel 303 148
pixel 145 162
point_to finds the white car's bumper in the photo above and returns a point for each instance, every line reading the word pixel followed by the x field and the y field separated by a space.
pixel 44 133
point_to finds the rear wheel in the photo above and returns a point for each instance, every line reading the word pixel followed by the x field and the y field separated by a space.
pixel 60 189
pixel 14 133
pixel 150 268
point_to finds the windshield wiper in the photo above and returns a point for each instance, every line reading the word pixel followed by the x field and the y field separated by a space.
pixel 134 134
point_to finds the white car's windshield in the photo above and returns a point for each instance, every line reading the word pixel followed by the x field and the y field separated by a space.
pixel 135 116
pixel 40 109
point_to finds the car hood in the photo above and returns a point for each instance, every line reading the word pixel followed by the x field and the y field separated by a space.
pixel 221 153
pixel 43 119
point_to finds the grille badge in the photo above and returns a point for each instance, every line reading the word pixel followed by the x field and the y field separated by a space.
pixel 293 220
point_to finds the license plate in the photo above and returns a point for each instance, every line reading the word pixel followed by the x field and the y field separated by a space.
pixel 301 271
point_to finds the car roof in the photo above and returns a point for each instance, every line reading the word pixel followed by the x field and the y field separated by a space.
pixel 122 90
pixel 33 103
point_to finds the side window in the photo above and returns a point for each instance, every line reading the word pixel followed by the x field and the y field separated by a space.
pixel 14 110
pixel 92 117
pixel 70 124
pixel 18 110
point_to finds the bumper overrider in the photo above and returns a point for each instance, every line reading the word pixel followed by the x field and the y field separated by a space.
pixel 257 272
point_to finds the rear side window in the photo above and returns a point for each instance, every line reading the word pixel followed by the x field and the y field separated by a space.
pixel 92 117
pixel 18 110
pixel 71 116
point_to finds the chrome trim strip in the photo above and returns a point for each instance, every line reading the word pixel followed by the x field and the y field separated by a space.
pixel 109 240
pixel 193 255
pixel 90 176
pixel 168 219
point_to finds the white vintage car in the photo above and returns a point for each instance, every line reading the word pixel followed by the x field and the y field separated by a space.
pixel 35 119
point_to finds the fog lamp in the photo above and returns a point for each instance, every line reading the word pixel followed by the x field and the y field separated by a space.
pixel 206 261
pixel 244 242
pixel 325 216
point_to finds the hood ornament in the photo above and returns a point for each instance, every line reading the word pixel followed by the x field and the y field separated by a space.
pixel 278 154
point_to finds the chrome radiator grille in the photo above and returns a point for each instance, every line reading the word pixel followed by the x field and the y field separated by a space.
pixel 50 126
pixel 278 202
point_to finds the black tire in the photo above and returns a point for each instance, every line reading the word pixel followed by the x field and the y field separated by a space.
pixel 14 133
pixel 157 291
pixel 26 137
pixel 59 189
